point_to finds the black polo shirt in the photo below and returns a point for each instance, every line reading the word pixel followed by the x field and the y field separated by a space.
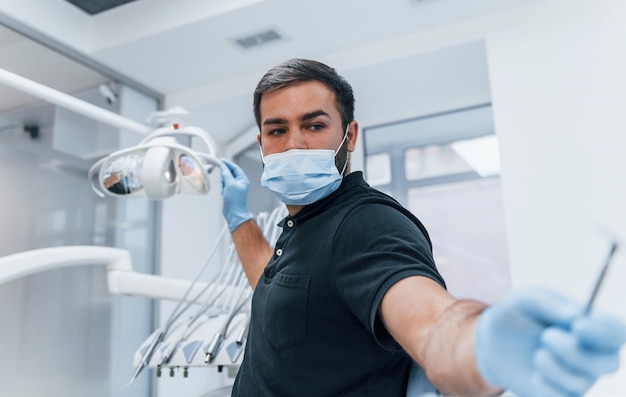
pixel 314 329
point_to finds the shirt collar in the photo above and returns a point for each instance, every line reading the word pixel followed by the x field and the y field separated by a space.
pixel 349 181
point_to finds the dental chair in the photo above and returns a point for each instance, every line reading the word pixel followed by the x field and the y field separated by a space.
pixel 419 385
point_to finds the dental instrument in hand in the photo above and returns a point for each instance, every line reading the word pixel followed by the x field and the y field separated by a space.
pixel 601 276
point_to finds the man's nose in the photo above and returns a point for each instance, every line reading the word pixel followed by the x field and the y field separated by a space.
pixel 295 139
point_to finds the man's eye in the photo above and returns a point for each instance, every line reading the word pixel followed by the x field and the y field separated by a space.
pixel 316 127
pixel 276 131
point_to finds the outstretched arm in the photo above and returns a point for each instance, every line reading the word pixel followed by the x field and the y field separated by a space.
pixel 437 331
pixel 534 342
pixel 252 248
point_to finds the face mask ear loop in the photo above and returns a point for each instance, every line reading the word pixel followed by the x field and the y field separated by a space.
pixel 345 135
pixel 261 151
pixel 345 163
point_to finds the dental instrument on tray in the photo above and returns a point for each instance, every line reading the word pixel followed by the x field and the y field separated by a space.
pixel 222 313
pixel 160 333
pixel 218 339
pixel 234 349
pixel 222 282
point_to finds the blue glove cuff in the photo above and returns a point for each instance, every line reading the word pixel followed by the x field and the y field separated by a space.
pixel 235 185
pixel 479 347
pixel 236 218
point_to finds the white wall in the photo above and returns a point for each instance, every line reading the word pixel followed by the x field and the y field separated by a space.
pixel 558 92
pixel 558 89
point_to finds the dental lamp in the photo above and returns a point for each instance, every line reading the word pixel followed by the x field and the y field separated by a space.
pixel 159 166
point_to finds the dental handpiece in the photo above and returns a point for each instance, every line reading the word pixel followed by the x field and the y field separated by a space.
pixel 146 356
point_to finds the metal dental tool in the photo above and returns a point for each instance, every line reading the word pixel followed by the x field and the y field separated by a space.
pixel 225 274
pixel 244 332
pixel 601 276
pixel 162 332
pixel 145 359
pixel 234 349
pixel 228 292
pixel 216 343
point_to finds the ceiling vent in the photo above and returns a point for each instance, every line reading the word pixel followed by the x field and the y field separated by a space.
pixel 259 39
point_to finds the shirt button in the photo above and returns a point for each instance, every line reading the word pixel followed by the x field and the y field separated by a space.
pixel 279 251
pixel 290 223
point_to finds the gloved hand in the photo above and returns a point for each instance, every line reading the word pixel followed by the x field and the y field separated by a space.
pixel 235 186
pixel 536 342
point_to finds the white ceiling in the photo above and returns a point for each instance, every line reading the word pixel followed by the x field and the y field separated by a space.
pixel 185 49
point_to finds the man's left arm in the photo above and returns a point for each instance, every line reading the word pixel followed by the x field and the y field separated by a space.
pixel 533 342
pixel 437 331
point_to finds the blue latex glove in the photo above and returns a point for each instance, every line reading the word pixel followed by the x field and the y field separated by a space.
pixel 235 186
pixel 536 342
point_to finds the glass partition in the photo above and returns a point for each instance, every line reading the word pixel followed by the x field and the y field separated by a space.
pixel 68 335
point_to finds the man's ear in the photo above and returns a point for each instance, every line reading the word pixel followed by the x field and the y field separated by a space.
pixel 258 139
pixel 353 133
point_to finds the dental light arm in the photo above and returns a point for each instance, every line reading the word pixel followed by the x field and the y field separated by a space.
pixel 122 280
pixel 161 185
pixel 71 103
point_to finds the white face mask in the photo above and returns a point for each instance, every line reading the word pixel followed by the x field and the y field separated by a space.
pixel 302 176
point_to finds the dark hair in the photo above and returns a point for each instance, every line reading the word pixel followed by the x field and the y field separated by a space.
pixel 300 70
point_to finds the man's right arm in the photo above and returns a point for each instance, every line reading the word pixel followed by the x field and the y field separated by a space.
pixel 252 248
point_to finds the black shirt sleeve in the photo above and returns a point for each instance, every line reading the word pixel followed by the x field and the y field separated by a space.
pixel 376 246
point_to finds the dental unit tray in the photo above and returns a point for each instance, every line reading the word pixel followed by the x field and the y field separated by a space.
pixel 122 280
pixel 192 352
pixel 225 310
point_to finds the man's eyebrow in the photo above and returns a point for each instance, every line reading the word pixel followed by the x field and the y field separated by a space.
pixel 314 114
pixel 274 121
pixel 304 117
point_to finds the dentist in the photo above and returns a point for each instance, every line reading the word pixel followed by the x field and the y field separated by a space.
pixel 350 295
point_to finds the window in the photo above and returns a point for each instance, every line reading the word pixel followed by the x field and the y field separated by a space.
pixel 378 169
pixel 445 170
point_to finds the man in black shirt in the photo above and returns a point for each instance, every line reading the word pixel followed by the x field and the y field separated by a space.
pixel 350 296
